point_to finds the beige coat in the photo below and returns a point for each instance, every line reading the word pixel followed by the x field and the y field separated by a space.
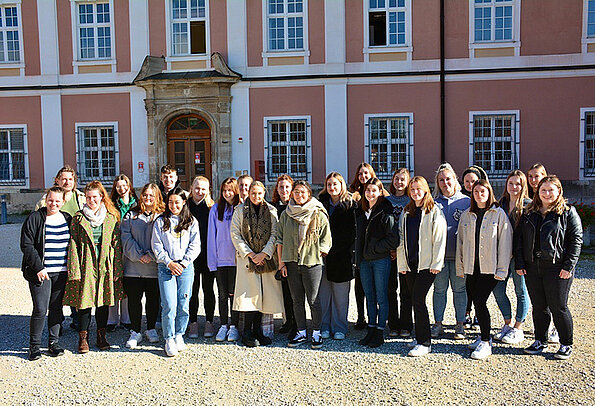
pixel 495 243
pixel 254 292
pixel 432 241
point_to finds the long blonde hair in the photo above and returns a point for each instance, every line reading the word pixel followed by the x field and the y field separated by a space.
pixel 428 202
pixel 559 205
pixel 445 167
pixel 519 205
pixel 105 198
pixel 208 199
pixel 158 207
pixel 345 195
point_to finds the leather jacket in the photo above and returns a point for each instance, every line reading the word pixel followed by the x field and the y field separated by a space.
pixel 379 236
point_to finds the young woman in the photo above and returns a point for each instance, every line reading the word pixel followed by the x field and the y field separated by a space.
pixel 221 256
pixel 548 260
pixel 484 249
pixel 244 182
pixel 199 204
pixel 94 263
pixel 124 198
pixel 253 229
pixel 303 238
pixel 281 196
pixel 534 175
pixel 448 197
pixel 140 267
pixel 376 234
pixel 471 175
pixel 176 244
pixel 420 255
pixel 337 271
pixel 513 201
pixel 402 325
pixel 44 242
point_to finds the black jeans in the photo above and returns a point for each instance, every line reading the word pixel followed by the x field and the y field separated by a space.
pixel 547 289
pixel 226 282
pixel 393 303
pixel 47 295
pixel 481 286
pixel 419 283
pixel 208 290
pixel 406 313
pixel 360 297
pixel 135 288
pixel 101 314
pixel 287 302
pixel 305 281
pixel 252 324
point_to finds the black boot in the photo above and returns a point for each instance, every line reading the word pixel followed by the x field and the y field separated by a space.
pixel 377 339
pixel 248 339
pixel 368 337
pixel 55 350
pixel 34 353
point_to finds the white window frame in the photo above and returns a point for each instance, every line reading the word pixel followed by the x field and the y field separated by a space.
pixel 20 64
pixel 517 140
pixel 308 120
pixel 80 159
pixel 18 184
pixel 408 47
pixel 305 53
pixel 76 52
pixel 584 111
pixel 586 40
pixel 410 149
pixel 516 32
pixel 169 37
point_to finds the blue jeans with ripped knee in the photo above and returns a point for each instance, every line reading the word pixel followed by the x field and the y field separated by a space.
pixel 175 299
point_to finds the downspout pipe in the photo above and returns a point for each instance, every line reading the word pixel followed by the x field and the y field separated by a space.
pixel 442 90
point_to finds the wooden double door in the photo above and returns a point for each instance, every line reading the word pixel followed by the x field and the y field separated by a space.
pixel 189 148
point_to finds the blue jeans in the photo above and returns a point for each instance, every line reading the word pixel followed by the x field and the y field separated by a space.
pixel 175 299
pixel 522 296
pixel 375 276
pixel 459 292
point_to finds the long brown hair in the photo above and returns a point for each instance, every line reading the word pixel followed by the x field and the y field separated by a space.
pixel 109 204
pixel 559 205
pixel 356 185
pixel 158 206
pixel 114 195
pixel 515 214
pixel 222 204
pixel 392 189
pixel 491 198
pixel 276 197
pixel 427 203
pixel 375 182
pixel 344 192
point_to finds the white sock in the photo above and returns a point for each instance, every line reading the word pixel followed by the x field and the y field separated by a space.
pixel 316 334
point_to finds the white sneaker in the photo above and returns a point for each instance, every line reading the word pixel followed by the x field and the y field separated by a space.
pixel 222 333
pixel 514 336
pixel 233 335
pixel 419 351
pixel 475 343
pixel 152 335
pixel 325 334
pixel 171 350
pixel 412 344
pixel 503 331
pixel 134 339
pixel 180 344
pixel 483 350
pixel 553 336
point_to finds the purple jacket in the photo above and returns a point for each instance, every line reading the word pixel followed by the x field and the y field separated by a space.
pixel 220 249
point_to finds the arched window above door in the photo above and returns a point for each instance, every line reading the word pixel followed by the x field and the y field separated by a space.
pixel 188 123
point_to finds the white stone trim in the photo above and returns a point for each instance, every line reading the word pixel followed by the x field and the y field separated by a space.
pixel 52 136
pixel 138 15
pixel 139 137
pixel 334 32
pixel 237 38
pixel 240 128
pixel 335 127
pixel 48 38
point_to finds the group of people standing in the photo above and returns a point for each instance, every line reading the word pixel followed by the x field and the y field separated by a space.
pixel 94 250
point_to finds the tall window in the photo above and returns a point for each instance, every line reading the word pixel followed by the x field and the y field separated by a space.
pixel 387 22
pixel 390 144
pixel 591 18
pixel 94 30
pixel 493 20
pixel 285 22
pixel 287 148
pixel 12 156
pixel 97 152
pixel 495 141
pixel 589 140
pixel 10 48
pixel 189 27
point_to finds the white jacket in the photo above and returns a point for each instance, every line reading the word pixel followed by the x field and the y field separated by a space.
pixel 432 240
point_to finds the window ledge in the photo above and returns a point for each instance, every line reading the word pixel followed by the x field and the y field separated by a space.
pixel 381 49
pixel 89 62
pixel 11 65
pixel 192 57
pixel 273 54
pixel 495 44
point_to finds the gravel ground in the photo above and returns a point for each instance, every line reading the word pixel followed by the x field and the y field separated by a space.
pixel 341 373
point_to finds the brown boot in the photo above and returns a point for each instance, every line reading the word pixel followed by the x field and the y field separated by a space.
pixel 101 340
pixel 83 342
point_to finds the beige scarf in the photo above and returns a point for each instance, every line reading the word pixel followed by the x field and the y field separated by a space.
pixel 308 218
pixel 96 218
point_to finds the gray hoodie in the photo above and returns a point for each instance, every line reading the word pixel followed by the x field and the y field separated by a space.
pixel 137 230
pixel 169 246
pixel 452 208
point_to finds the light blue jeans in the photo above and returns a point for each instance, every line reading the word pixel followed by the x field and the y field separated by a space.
pixel 374 276
pixel 522 296
pixel 459 293
pixel 175 299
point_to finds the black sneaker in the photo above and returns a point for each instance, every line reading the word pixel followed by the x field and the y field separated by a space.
pixel 297 340
pixel 468 321
pixel 360 324
pixel 55 350
pixel 377 339
pixel 368 337
pixel 316 342
pixel 249 341
pixel 263 340
pixel 564 352
pixel 536 348
pixel 34 353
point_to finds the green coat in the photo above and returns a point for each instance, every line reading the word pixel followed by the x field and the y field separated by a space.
pixel 94 282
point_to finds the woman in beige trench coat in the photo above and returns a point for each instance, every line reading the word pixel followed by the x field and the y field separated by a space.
pixel 253 229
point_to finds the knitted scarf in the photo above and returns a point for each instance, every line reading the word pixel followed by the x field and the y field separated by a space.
pixel 308 218
pixel 256 231
pixel 97 217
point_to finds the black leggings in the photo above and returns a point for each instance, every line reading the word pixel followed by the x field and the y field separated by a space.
pixel 101 314
pixel 360 297
pixel 208 290
pixel 399 319
pixel 419 283
pixel 226 282
pixel 252 323
pixel 481 286
pixel 135 288
pixel 287 302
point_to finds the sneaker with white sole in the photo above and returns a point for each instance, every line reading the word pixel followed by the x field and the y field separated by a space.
pixel 412 344
pixel 437 330
pixel 419 350
pixel 222 333
pixel 299 339
pixel 536 348
pixel 209 330
pixel 152 336
pixel 483 350
pixel 134 339
pixel 180 344
pixel 564 352
pixel 339 336
pixel 325 334
pixel 514 336
pixel 192 330
pixel 233 334
pixel 459 332
pixel 475 343
pixel 503 331
pixel 171 350
pixel 553 337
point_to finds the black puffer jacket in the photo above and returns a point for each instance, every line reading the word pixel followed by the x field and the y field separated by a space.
pixel 561 238
pixel 381 234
